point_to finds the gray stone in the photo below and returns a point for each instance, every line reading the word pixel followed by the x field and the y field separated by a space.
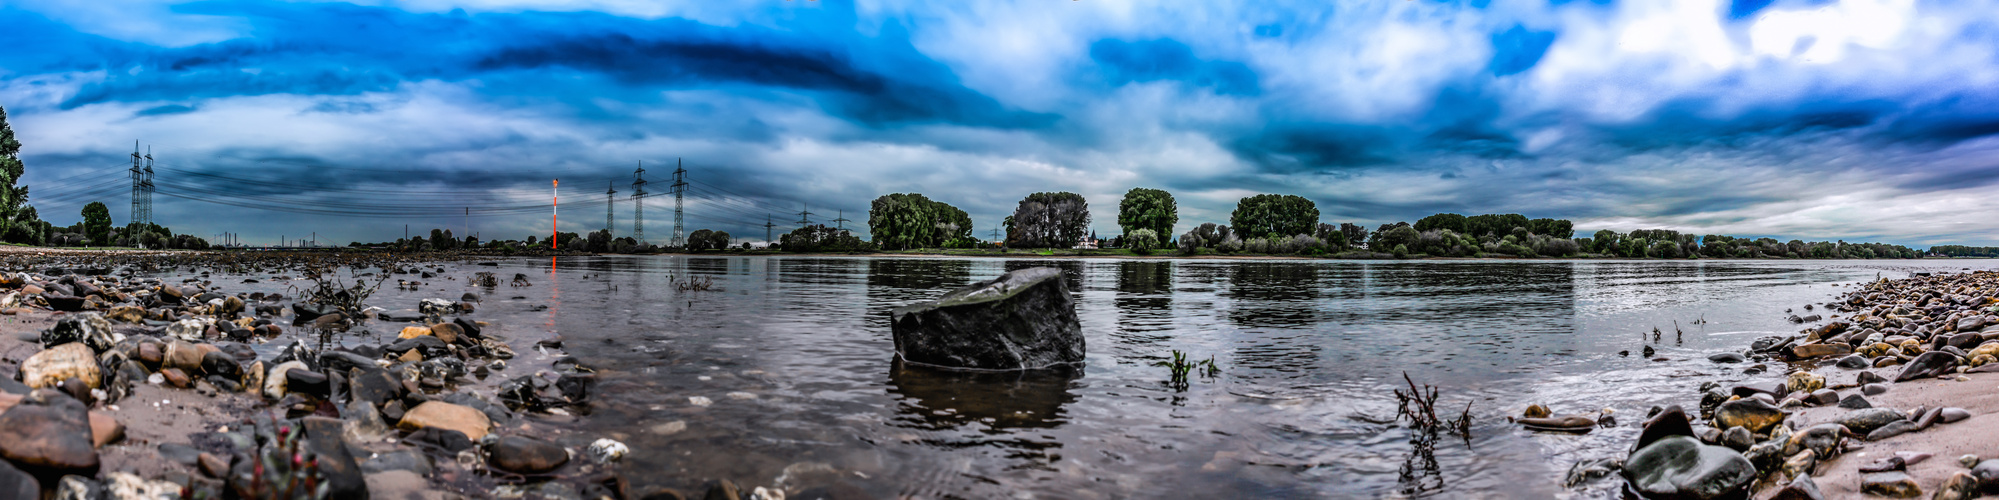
pixel 1680 467
pixel 1960 486
pixel 17 484
pixel 1930 364
pixel 1726 357
pixel 324 437
pixel 1949 415
pixel 404 459
pixel 1864 421
pixel 1800 488
pixel 1893 429
pixel 1737 438
pixel 1754 414
pixel 1855 402
pixel 1987 472
pixel 1853 362
pixel 1670 422
pixel 1873 389
pixel 1025 319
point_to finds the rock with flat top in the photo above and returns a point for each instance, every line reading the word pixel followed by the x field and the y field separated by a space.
pixel 1024 319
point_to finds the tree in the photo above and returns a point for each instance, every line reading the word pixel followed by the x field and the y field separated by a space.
pixel 1494 225
pixel 1453 222
pixel 909 220
pixel 12 194
pixel 97 222
pixel 1274 215
pixel 719 240
pixel 1356 234
pixel 699 240
pixel 819 238
pixel 1558 228
pixel 1050 220
pixel 1151 209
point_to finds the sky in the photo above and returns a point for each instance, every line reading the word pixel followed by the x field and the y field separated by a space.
pixel 1860 120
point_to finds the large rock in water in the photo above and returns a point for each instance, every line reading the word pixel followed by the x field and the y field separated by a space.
pixel 1022 320
pixel 1681 467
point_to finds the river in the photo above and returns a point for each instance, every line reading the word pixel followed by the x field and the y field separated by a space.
pixel 783 373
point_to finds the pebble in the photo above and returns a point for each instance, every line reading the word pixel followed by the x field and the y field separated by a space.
pixel 669 428
pixel 1890 484
pixel 700 401
pixel 607 451
pixel 1873 389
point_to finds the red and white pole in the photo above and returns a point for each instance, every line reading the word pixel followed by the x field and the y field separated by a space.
pixel 554 202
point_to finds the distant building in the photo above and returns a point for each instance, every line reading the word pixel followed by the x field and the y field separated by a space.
pixel 1087 243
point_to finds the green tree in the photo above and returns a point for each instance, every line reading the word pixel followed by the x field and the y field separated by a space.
pixel 719 240
pixel 909 220
pixel 97 222
pixel 1147 209
pixel 1266 215
pixel 1454 222
pixel 699 240
pixel 12 193
pixel 1494 225
pixel 1050 220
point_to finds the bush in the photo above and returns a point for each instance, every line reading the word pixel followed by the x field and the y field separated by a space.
pixel 1141 241
pixel 1401 251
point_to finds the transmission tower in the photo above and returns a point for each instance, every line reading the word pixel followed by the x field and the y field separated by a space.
pixel 137 164
pixel 767 225
pixel 610 204
pixel 679 188
pixel 841 222
pixel 639 203
pixel 804 217
pixel 146 198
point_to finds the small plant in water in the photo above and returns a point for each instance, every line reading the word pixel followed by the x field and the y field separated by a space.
pixel 1420 407
pixel 1181 367
pixel 283 470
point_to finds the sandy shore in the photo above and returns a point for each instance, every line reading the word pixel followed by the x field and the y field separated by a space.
pixel 1979 435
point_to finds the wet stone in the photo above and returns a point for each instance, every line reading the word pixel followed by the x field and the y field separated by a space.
pixel 1753 414
pixel 1855 402
pixel 526 456
pixel 1680 467
pixel 1853 362
pixel 1800 488
pixel 1890 484
pixel 17 484
pixel 1960 486
pixel 1873 389
pixel 1865 421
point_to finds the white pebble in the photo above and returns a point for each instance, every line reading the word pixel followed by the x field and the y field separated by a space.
pixel 741 395
pixel 606 451
pixel 700 401
pixel 156 379
pixel 705 378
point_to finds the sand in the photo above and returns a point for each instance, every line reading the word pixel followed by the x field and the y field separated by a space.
pixel 1979 435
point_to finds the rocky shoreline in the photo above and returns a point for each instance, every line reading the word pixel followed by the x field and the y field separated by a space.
pixel 1895 395
pixel 116 383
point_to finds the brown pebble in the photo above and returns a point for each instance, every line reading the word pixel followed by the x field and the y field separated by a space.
pixel 176 377
pixel 214 466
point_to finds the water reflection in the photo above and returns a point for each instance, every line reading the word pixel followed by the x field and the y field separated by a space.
pixel 1273 295
pixel 938 399
pixel 1072 270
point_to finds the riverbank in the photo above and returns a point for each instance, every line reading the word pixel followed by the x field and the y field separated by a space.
pixel 1894 394
pixel 114 379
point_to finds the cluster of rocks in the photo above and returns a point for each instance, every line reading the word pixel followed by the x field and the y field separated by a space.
pixel 314 414
pixel 1928 326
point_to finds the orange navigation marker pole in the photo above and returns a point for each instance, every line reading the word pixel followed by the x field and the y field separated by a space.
pixel 554 201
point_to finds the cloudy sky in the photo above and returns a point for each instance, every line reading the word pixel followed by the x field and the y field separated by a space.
pixel 1863 120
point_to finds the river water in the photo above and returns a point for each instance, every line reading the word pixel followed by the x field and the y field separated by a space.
pixel 783 373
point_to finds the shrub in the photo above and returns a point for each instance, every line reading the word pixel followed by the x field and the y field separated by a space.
pixel 1141 241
